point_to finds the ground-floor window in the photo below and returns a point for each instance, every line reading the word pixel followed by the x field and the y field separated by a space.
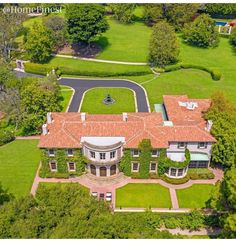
pixel 180 172
pixel 71 166
pixel 173 172
pixel 53 165
pixel 176 172
pixel 153 167
pixel 198 164
pixel 135 166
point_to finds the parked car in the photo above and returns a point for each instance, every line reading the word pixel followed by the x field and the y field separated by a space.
pixel 108 196
pixel 94 194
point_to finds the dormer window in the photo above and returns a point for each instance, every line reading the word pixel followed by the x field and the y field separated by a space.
pixel 202 145
pixel 70 152
pixel 182 145
pixel 51 152
pixel 135 153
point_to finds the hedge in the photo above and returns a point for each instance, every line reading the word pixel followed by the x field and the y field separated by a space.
pixel 6 137
pixel 197 174
pixel 215 74
pixel 175 181
pixel 87 69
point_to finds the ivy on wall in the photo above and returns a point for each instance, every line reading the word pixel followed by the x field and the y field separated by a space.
pixel 144 158
pixel 165 163
pixel 125 163
pixel 62 159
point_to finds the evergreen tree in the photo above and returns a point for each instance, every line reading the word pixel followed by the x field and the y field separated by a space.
pixel 123 12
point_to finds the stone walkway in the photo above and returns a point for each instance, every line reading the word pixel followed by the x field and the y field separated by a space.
pixel 103 185
pixel 27 137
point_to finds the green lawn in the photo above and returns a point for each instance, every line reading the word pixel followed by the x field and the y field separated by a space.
pixel 125 42
pixel 19 161
pixel 195 196
pixel 93 101
pixel 143 196
pixel 66 93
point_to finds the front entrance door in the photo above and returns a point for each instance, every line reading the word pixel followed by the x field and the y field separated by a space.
pixel 93 169
pixel 103 171
pixel 113 170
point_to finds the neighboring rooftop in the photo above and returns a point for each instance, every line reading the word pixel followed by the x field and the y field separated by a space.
pixel 68 129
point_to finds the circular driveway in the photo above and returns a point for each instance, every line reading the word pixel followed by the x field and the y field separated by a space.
pixel 81 85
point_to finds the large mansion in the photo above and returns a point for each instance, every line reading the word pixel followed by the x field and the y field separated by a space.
pixel 174 126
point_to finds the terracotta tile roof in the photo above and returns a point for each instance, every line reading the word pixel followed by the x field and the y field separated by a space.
pixel 180 115
pixel 67 129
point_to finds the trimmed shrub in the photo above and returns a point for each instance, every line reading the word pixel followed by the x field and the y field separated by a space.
pixel 196 174
pixel 174 180
pixel 215 74
pixel 6 137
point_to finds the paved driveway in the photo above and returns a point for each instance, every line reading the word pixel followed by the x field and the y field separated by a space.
pixel 82 85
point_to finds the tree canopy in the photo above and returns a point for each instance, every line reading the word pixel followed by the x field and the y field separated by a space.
pixel 202 32
pixel 85 22
pixel 39 43
pixel 163 47
pixel 232 37
pixel 123 12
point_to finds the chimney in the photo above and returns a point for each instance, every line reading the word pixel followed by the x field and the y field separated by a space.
pixel 83 116
pixel 209 125
pixel 125 116
pixel 49 117
pixel 45 129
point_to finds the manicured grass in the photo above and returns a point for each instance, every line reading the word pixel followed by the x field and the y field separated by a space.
pixel 195 196
pixel 19 161
pixel 66 93
pixel 93 101
pixel 125 42
pixel 143 196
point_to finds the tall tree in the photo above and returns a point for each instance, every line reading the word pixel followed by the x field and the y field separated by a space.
pixel 10 26
pixel 39 43
pixel 85 22
pixel 202 32
pixel 163 47
pixel 153 13
pixel 179 14
pixel 57 25
pixel 123 12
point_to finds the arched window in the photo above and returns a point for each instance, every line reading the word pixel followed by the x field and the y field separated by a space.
pixel 93 169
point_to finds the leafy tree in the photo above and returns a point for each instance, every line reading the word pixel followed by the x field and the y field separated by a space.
pixel 220 8
pixel 85 22
pixel 163 47
pixel 202 32
pixel 39 98
pixel 123 12
pixel 10 26
pixel 39 43
pixel 179 14
pixel 223 115
pixel 232 37
pixel 153 13
pixel 57 25
pixel 4 195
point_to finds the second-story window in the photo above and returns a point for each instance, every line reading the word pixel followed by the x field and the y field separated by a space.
pixel 202 145
pixel 51 152
pixel 135 152
pixel 92 154
pixel 70 152
pixel 112 154
pixel 182 145
pixel 155 153
pixel 102 156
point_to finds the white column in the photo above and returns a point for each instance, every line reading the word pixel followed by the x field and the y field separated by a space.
pixel 117 169
pixel 97 171
pixel 108 170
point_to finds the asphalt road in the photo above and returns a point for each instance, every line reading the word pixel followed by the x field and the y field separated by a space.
pixel 82 85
